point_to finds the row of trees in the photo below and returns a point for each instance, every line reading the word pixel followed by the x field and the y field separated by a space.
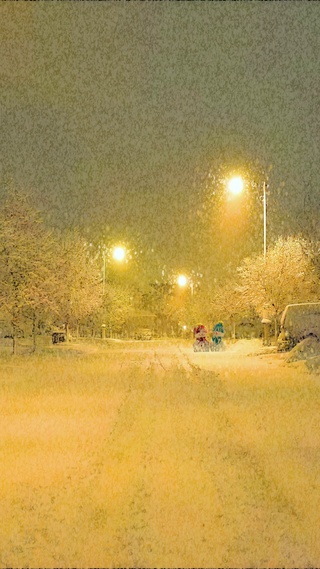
pixel 44 278
pixel 49 279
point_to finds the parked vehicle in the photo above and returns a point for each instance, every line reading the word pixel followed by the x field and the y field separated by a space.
pixel 143 334
pixel 298 321
pixel 59 336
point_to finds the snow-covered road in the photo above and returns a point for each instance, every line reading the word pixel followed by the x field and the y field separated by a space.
pixel 148 455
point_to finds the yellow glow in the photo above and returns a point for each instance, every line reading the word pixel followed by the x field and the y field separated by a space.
pixel 119 254
pixel 235 185
pixel 182 280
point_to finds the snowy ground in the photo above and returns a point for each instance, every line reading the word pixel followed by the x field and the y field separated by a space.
pixel 149 455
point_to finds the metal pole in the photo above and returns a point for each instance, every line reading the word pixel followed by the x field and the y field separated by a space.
pixel 264 220
pixel 104 272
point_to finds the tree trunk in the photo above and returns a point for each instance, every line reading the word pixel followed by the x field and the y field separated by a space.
pixel 276 332
pixel 233 330
pixel 14 339
pixel 34 333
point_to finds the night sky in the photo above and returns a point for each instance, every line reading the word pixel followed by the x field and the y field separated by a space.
pixel 113 113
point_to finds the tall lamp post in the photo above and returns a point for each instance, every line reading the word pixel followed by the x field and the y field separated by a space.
pixel 104 271
pixel 182 281
pixel 235 187
pixel 118 254
pixel 264 220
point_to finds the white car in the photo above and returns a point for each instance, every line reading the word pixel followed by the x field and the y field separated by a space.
pixel 298 321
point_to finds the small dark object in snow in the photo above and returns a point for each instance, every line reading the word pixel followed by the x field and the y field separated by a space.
pixel 58 337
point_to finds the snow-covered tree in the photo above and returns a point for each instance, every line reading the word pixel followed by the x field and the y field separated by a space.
pixel 118 304
pixel 284 277
pixel 228 303
pixel 79 290
pixel 26 270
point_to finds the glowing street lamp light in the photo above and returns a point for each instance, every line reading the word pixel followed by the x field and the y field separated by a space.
pixel 236 185
pixel 118 254
pixel 182 281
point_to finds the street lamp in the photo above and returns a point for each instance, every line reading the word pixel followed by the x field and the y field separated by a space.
pixel 104 270
pixel 118 254
pixel 264 219
pixel 235 187
pixel 182 281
